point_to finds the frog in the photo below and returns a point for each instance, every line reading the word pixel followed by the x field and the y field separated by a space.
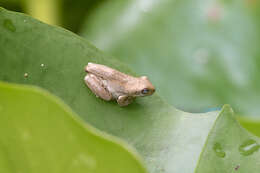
pixel 110 84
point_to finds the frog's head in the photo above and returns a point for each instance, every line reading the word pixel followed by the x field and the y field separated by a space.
pixel 146 87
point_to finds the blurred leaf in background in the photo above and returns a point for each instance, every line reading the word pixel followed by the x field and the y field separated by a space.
pixel 75 12
pixel 48 11
pixel 69 14
pixel 15 5
pixel 200 54
pixel 45 10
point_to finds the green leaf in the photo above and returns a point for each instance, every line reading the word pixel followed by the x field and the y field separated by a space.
pixel 168 139
pixel 251 124
pixel 73 13
pixel 39 133
pixel 200 54
pixel 229 148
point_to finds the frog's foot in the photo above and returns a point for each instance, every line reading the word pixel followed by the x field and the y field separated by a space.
pixel 96 86
pixel 124 100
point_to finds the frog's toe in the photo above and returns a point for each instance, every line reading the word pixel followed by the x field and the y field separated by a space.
pixel 124 100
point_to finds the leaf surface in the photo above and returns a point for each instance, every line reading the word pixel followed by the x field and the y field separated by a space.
pixel 39 133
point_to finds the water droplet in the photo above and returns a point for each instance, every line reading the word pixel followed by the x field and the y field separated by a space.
pixel 24 20
pixel 25 75
pixel 42 65
pixel 218 150
pixel 8 24
pixel 249 147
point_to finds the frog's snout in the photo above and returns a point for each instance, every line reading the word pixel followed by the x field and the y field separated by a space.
pixel 87 67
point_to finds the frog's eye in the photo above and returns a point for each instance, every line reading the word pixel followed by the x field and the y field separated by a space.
pixel 145 91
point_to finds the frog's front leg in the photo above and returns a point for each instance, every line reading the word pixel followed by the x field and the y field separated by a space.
pixel 124 100
pixel 96 86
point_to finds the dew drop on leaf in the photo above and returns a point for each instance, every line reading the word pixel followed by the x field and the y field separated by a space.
pixel 218 150
pixel 8 24
pixel 25 75
pixel 248 147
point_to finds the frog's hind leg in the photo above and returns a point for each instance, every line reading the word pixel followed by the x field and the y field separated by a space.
pixel 96 86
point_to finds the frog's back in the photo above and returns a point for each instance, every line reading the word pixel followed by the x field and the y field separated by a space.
pixel 105 72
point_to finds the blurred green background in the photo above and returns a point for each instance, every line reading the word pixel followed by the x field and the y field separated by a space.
pixel 66 13
pixel 199 54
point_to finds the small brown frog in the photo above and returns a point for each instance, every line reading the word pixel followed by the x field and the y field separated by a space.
pixel 110 84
